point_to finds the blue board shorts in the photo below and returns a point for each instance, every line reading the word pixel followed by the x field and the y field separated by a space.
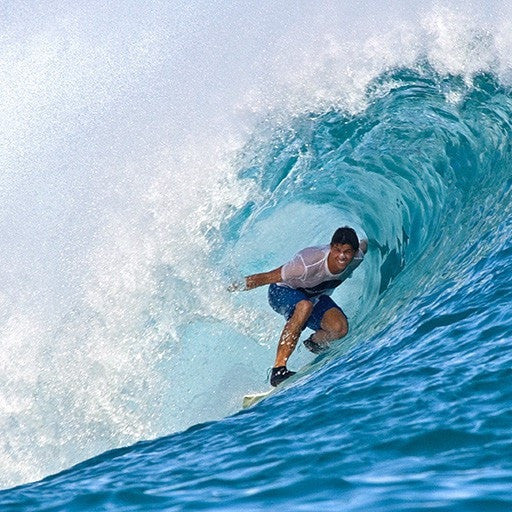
pixel 283 301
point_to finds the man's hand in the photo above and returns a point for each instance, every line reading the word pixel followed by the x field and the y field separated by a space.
pixel 238 286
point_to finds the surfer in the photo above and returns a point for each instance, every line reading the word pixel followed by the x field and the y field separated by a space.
pixel 300 291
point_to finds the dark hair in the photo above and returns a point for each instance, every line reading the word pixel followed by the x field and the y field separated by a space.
pixel 345 235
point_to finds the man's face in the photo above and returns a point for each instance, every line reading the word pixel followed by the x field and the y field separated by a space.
pixel 340 256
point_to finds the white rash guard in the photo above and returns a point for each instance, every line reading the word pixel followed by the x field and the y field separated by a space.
pixel 308 271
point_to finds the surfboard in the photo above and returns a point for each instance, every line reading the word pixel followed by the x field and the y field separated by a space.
pixel 254 398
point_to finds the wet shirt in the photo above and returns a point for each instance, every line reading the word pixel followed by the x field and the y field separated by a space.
pixel 308 271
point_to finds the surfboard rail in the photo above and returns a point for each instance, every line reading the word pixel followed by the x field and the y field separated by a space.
pixel 254 398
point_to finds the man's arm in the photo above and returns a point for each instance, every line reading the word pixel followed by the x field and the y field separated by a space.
pixel 274 276
pixel 255 280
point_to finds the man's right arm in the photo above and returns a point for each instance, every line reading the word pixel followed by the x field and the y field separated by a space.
pixel 294 269
pixel 274 276
pixel 255 280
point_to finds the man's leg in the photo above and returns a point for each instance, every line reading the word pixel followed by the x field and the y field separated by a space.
pixel 329 323
pixel 292 331
pixel 334 325
pixel 296 307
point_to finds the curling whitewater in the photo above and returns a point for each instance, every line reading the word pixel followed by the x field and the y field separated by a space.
pixel 414 409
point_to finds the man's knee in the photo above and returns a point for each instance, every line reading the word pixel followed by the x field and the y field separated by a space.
pixel 303 309
pixel 341 331
pixel 338 329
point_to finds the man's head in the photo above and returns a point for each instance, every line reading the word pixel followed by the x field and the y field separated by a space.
pixel 344 245
pixel 345 235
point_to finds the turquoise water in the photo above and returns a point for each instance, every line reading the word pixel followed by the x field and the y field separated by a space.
pixel 146 371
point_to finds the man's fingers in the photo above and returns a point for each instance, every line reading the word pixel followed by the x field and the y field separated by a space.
pixel 237 286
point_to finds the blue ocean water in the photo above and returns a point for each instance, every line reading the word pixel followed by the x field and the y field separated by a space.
pixel 411 411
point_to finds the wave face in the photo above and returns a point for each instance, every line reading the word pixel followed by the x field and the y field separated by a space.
pixel 411 410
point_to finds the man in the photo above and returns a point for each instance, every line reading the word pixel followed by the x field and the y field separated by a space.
pixel 300 291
